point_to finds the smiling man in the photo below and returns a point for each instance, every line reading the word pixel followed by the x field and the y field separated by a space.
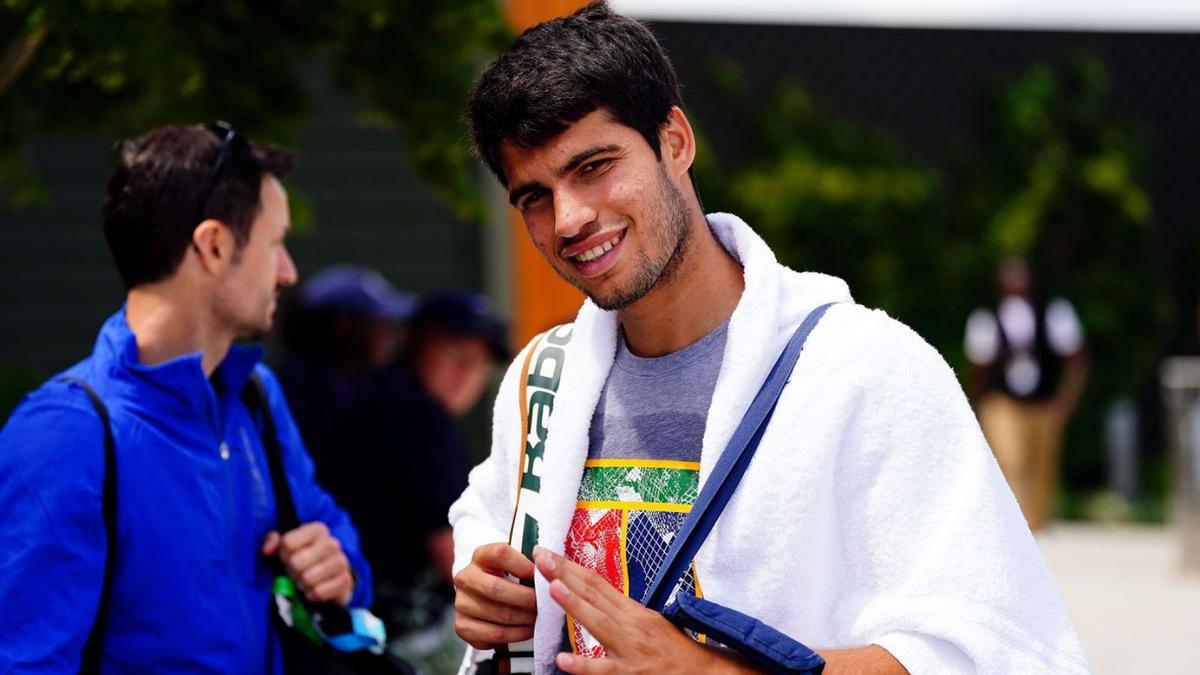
pixel 180 577
pixel 873 524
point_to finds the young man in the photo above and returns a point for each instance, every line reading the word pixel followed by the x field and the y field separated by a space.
pixel 872 525
pixel 195 219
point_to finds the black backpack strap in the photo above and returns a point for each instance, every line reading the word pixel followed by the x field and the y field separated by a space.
pixel 254 396
pixel 91 650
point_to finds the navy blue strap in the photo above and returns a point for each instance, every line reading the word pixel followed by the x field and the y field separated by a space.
pixel 729 468
pixel 90 663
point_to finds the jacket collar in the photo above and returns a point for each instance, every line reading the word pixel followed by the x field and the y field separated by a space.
pixel 177 388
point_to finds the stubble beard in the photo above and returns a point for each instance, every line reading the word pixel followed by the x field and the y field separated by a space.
pixel 255 325
pixel 672 236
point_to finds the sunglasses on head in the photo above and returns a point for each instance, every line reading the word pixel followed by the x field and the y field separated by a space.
pixel 229 137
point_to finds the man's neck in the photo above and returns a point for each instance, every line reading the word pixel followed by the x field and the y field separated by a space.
pixel 700 295
pixel 168 322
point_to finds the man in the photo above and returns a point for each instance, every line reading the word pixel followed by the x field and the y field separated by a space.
pixel 872 524
pixel 195 219
pixel 388 447
pixel 1028 369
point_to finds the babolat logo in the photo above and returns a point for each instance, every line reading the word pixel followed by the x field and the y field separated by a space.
pixel 540 377
pixel 541 386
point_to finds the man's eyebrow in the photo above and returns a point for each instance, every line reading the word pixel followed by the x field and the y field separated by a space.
pixel 583 156
pixel 578 158
pixel 521 190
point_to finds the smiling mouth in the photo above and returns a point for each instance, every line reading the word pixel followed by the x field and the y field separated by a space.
pixel 588 255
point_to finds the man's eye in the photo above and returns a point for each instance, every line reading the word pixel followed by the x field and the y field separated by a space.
pixel 532 201
pixel 594 167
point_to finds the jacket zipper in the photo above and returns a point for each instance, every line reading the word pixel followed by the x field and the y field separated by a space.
pixel 227 469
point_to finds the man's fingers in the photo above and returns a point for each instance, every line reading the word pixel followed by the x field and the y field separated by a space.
pixel 581 665
pixel 582 581
pixel 302 536
pixel 483 608
pixel 271 543
pixel 337 589
pixel 484 635
pixel 315 552
pixel 321 571
pixel 475 581
pixel 503 558
pixel 600 622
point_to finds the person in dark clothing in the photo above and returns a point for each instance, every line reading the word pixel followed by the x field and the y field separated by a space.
pixel 386 442
pixel 1028 371
pixel 341 331
pixel 453 347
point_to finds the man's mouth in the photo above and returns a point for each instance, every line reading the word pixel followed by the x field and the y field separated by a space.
pixel 595 254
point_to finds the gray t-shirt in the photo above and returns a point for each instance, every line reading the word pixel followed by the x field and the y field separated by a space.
pixel 643 469
pixel 655 408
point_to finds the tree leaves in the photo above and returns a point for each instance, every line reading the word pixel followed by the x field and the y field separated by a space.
pixel 118 67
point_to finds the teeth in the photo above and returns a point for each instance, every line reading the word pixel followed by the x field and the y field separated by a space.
pixel 593 253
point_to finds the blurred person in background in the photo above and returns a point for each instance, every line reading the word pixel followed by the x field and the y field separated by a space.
pixel 179 578
pixel 388 444
pixel 342 330
pixel 1028 369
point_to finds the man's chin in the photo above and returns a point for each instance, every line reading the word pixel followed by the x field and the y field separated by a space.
pixel 616 300
pixel 255 333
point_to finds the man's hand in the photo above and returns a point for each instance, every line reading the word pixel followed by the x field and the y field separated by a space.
pixel 315 561
pixel 489 608
pixel 636 639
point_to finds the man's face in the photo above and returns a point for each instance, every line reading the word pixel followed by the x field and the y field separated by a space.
pixel 246 297
pixel 455 370
pixel 601 208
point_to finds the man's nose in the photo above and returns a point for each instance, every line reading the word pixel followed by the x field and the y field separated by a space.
pixel 571 214
pixel 287 269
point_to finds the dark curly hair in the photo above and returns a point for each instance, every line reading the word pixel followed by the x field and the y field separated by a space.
pixel 559 71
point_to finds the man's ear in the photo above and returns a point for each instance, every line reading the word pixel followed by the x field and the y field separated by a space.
pixel 678 143
pixel 214 244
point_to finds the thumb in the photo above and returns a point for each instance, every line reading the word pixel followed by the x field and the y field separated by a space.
pixel 271 543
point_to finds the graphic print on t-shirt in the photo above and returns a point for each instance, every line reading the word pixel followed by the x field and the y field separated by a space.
pixel 627 514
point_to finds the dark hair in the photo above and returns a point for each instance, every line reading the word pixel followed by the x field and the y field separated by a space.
pixel 559 71
pixel 152 205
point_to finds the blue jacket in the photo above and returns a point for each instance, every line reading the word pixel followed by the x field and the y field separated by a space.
pixel 191 591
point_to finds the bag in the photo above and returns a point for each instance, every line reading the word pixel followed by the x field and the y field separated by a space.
pixel 762 645
pixel 315 637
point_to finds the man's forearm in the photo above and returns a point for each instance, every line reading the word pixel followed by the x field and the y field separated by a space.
pixel 872 659
pixel 869 660
pixel 1070 389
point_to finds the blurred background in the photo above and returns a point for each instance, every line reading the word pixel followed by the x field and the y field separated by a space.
pixel 907 147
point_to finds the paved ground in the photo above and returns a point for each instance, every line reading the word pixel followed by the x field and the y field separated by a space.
pixel 1135 612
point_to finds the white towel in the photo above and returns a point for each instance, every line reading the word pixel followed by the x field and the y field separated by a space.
pixel 872 513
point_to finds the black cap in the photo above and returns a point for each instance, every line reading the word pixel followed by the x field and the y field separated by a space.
pixel 466 314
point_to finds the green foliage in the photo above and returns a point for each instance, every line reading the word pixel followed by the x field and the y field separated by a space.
pixel 1059 180
pixel 852 202
pixel 1056 178
pixel 118 67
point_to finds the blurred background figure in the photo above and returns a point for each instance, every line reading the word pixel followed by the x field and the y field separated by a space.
pixel 382 424
pixel 342 330
pixel 1028 369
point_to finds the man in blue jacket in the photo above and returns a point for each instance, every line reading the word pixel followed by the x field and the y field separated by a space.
pixel 195 219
